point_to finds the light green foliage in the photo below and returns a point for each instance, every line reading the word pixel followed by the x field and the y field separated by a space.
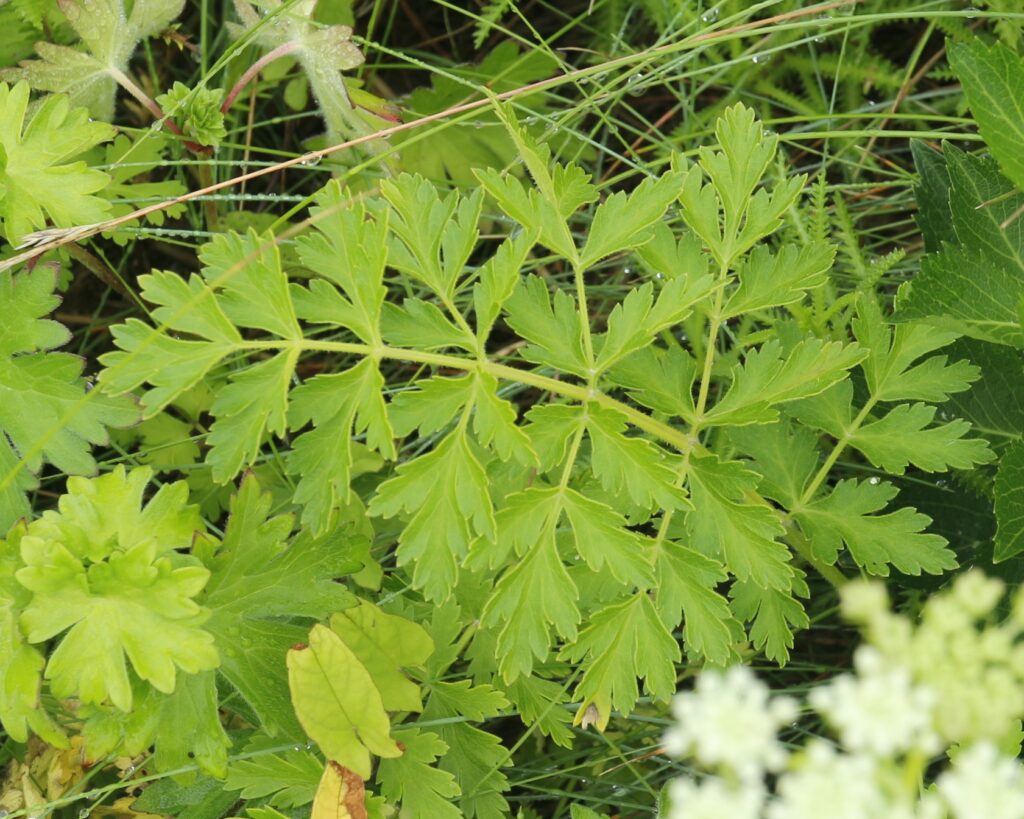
pixel 105 578
pixel 45 413
pixel 657 486
pixel 109 33
pixel 337 703
pixel 384 644
pixel 41 175
pixel 197 112
pixel 346 679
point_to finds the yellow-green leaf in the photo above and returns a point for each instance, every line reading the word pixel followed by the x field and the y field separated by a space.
pixel 337 702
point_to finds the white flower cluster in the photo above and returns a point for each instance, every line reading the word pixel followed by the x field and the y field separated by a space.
pixel 945 694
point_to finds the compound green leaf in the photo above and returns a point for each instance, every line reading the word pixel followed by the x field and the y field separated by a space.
pixel 846 516
pixel 768 377
pixel 258 583
pixel 474 756
pixel 39 177
pixel 431 406
pixel 436 236
pixel 446 494
pixel 252 286
pixel 786 455
pixel 412 780
pixel 533 596
pixel 903 436
pixel 634 322
pixel 171 365
pixel 724 524
pixel 337 702
pixel 494 422
pixel 537 700
pixel 340 407
pixel 45 412
pixel 631 466
pixel 254 404
pixel 602 539
pixel 498 278
pixel 774 613
pixel 686 592
pixel 289 778
pixel 624 641
pixel 350 251
pixel 555 332
pixel 659 379
pixel 768 279
pixel 625 221
pixel 419 323
pixel 892 352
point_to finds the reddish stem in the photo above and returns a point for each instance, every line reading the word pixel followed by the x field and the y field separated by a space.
pixel 255 69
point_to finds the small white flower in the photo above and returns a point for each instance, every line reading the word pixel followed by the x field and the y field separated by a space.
pixel 730 721
pixel 983 784
pixel 829 784
pixel 879 710
pixel 864 600
pixel 713 799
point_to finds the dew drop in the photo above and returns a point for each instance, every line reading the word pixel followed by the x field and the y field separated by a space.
pixel 970 13
pixel 873 481
pixel 298 747
pixel 311 161
pixel 83 813
pixel 659 275
pixel 628 270
pixel 710 15
pixel 760 59
pixel 129 770
pixel 478 124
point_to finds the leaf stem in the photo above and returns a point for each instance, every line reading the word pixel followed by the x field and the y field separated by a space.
pixel 796 539
pixel 676 437
pixel 837 450
pixel 253 70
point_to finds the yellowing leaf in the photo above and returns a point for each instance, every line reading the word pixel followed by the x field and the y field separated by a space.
pixel 341 795
pixel 337 702
pixel 385 644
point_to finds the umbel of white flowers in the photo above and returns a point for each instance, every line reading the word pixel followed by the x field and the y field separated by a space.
pixel 927 726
